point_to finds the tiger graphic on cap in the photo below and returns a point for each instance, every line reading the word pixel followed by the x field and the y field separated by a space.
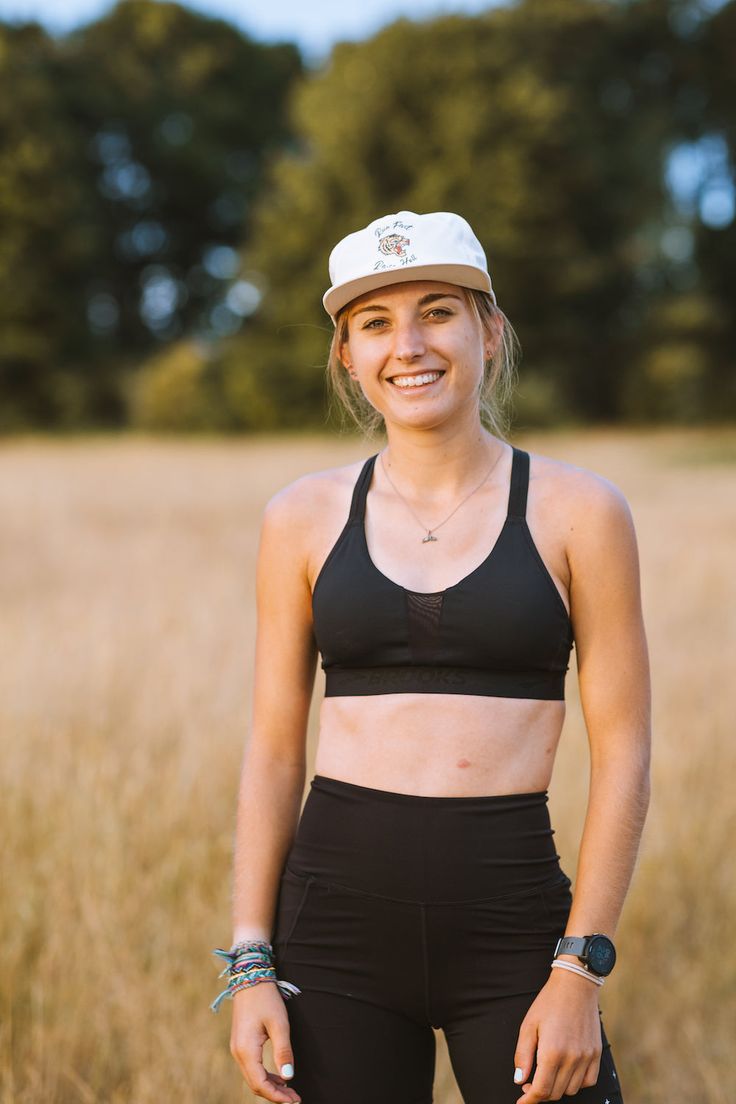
pixel 394 243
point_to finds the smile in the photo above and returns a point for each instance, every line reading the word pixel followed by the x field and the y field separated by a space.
pixel 416 383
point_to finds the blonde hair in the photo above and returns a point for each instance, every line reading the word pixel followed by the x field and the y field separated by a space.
pixel 499 374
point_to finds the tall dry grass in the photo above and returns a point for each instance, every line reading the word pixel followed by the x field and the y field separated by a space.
pixel 127 576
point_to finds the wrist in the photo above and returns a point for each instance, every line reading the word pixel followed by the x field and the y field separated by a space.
pixel 574 979
pixel 250 935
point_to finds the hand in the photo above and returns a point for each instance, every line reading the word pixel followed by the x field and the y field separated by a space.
pixel 563 1027
pixel 259 1013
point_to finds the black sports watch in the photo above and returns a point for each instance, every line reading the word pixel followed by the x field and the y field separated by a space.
pixel 596 952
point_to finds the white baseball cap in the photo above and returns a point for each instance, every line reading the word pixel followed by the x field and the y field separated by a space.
pixel 406 246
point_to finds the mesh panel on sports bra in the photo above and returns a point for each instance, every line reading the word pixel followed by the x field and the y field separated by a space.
pixel 424 612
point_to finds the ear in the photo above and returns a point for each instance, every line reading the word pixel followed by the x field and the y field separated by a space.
pixel 344 354
pixel 493 340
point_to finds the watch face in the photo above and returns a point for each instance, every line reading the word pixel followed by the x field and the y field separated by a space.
pixel 601 955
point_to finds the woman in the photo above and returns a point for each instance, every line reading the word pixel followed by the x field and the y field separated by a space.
pixel 420 887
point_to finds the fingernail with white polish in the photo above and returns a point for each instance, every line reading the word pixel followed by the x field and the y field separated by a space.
pixel 287 1070
pixel 518 1075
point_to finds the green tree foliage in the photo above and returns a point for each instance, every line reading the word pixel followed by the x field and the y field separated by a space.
pixel 131 152
pixel 686 368
pixel 46 243
pixel 170 192
pixel 715 245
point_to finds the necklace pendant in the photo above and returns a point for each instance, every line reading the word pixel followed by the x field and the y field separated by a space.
pixel 428 537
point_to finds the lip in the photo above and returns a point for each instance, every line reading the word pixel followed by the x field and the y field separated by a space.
pixel 420 387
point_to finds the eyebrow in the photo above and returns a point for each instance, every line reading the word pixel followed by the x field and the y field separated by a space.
pixel 430 298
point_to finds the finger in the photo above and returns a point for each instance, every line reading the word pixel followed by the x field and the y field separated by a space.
pixel 540 1087
pixel 283 1055
pixel 578 1077
pixel 561 1083
pixel 282 1091
pixel 526 1049
pixel 575 1083
pixel 270 1086
pixel 590 1077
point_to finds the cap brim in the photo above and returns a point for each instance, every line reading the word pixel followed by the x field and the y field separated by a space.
pixel 338 295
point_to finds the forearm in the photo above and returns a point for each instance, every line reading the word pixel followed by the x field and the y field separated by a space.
pixel 617 807
pixel 269 804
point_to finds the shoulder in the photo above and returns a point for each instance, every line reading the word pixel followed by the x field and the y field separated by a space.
pixel 298 507
pixel 593 509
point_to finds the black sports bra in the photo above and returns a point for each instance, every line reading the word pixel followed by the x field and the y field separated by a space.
pixel 501 631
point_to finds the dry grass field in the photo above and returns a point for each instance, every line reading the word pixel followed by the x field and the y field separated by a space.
pixel 127 586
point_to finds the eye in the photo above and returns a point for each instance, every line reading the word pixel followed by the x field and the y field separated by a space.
pixel 377 323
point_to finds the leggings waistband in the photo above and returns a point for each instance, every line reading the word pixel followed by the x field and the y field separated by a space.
pixel 411 847
pixel 509 800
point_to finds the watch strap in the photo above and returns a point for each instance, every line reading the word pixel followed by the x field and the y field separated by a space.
pixel 571 944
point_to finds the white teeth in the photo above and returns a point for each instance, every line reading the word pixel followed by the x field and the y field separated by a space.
pixel 416 381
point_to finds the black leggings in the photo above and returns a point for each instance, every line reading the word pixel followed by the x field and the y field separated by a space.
pixel 398 914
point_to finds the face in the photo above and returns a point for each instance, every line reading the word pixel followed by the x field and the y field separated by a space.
pixel 416 349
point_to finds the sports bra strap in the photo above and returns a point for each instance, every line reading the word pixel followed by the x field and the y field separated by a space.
pixel 519 482
pixel 360 490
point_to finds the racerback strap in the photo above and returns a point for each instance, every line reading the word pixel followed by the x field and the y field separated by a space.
pixel 360 490
pixel 519 482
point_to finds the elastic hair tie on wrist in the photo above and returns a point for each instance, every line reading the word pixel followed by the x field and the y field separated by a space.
pixel 577 970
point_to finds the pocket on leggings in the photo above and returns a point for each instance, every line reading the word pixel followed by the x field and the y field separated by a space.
pixel 293 892
pixel 557 904
pixel 512 916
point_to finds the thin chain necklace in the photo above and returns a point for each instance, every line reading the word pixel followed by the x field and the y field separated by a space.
pixel 430 532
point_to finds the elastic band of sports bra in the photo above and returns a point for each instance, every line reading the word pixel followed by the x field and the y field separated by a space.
pixel 545 685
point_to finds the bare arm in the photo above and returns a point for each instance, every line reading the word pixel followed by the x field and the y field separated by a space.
pixel 615 693
pixel 274 765
pixel 272 777
pixel 613 665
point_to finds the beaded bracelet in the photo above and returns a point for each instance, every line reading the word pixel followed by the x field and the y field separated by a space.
pixel 249 963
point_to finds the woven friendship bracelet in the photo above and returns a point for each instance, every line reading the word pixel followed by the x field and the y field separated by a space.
pixel 248 964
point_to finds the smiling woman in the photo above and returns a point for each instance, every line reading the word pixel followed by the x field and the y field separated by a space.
pixel 419 888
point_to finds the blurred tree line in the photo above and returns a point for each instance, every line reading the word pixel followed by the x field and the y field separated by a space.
pixel 170 191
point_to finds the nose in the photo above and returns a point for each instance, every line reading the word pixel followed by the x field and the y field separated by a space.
pixel 408 342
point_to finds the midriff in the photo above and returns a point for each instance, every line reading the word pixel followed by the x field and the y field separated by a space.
pixel 445 745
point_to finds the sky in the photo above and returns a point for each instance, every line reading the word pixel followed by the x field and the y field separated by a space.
pixel 314 24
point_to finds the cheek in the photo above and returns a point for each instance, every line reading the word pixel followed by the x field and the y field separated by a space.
pixel 366 359
pixel 474 346
pixel 468 356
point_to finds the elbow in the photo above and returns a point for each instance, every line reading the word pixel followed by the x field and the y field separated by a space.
pixel 631 772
